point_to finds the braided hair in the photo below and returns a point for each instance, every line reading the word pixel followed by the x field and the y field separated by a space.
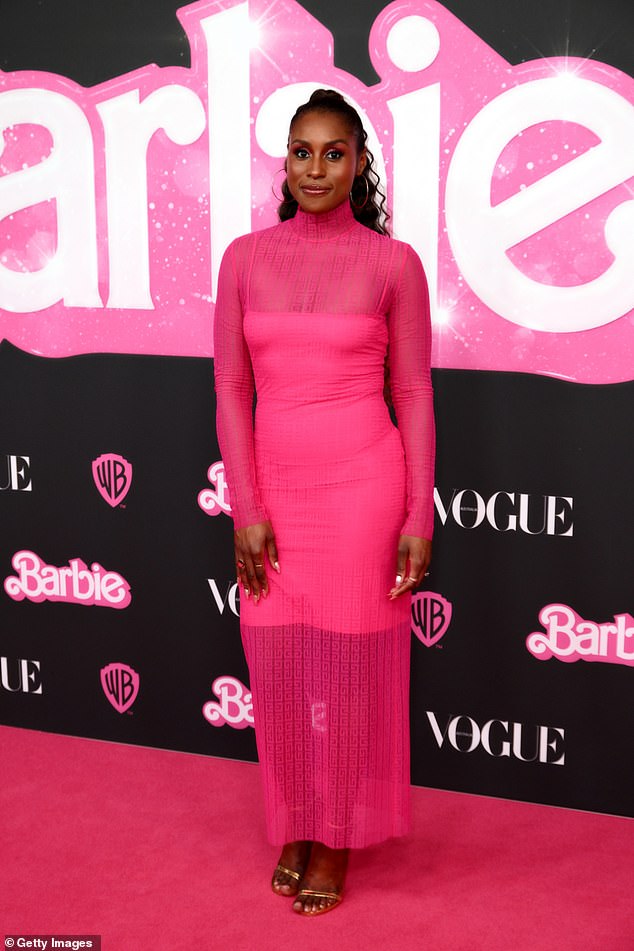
pixel 368 207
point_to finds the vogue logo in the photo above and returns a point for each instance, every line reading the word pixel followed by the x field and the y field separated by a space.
pixel 75 584
pixel 431 616
pixel 499 738
pixel 510 181
pixel 507 511
pixel 234 706
pixel 120 684
pixel 569 638
pixel 20 676
pixel 216 500
pixel 15 474
pixel 231 598
pixel 113 477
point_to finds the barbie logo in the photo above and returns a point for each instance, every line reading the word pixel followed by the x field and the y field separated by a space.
pixel 113 477
pixel 121 685
pixel 513 183
pixel 76 584
pixel 216 500
pixel 570 638
pixel 431 616
pixel 234 706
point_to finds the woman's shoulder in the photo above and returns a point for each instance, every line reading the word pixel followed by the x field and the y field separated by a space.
pixel 405 258
pixel 244 244
pixel 385 241
pixel 402 248
pixel 398 253
pixel 399 264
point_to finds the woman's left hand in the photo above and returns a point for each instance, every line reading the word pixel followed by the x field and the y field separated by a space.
pixel 414 556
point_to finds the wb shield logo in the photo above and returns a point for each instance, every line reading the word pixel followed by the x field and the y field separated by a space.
pixel 121 685
pixel 431 614
pixel 113 477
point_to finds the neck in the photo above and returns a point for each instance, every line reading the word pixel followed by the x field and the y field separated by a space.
pixel 327 224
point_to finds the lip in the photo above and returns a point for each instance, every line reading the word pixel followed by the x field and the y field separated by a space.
pixel 315 189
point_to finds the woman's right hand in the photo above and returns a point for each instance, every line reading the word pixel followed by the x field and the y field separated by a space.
pixel 253 544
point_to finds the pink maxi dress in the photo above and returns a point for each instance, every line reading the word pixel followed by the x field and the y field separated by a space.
pixel 305 313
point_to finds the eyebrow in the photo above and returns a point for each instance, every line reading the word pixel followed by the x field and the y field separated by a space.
pixel 326 144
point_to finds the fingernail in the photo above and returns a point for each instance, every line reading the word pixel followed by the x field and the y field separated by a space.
pixel 276 565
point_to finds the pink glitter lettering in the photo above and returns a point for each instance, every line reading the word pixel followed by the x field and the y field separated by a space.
pixel 512 182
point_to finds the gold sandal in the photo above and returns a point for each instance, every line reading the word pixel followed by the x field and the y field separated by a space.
pixel 285 871
pixel 334 897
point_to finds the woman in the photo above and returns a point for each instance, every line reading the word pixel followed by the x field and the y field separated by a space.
pixel 330 501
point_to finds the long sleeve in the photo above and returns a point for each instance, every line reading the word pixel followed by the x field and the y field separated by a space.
pixel 234 394
pixel 410 379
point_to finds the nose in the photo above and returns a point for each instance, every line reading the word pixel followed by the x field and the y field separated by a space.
pixel 316 169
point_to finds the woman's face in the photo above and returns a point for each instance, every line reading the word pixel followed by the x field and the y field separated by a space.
pixel 322 161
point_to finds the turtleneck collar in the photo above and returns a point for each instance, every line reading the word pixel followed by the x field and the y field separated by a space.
pixel 324 226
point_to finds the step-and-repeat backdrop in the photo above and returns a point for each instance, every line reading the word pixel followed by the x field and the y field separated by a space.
pixel 506 140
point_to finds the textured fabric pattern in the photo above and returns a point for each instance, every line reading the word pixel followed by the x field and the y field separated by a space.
pixel 305 313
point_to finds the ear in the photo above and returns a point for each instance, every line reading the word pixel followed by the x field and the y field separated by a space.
pixel 362 162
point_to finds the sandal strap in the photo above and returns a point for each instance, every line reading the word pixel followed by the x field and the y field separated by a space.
pixel 288 871
pixel 311 893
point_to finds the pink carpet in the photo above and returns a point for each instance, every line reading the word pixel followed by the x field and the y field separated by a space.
pixel 166 851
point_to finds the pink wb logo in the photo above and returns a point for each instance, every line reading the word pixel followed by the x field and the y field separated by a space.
pixel 113 477
pixel 121 685
pixel 431 615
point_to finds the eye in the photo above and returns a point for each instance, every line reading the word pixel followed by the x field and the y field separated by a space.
pixel 334 154
pixel 301 153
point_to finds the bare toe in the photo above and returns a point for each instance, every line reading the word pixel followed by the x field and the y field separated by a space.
pixel 322 885
pixel 306 904
pixel 290 868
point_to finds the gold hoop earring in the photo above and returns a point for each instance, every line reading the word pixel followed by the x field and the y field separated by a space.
pixel 367 193
pixel 275 195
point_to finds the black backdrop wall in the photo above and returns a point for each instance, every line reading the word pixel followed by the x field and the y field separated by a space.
pixel 104 461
